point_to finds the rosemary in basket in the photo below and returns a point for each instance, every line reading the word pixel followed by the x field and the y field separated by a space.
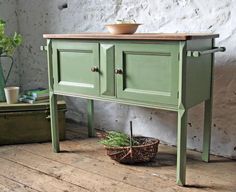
pixel 118 139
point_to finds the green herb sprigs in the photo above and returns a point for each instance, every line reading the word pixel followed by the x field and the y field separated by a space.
pixel 125 21
pixel 117 139
pixel 7 43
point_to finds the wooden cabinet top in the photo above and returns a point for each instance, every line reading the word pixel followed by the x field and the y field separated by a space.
pixel 136 36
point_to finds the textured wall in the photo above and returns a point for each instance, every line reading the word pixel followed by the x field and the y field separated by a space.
pixel 41 16
pixel 8 13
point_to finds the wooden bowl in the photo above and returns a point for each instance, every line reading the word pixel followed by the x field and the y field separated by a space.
pixel 122 28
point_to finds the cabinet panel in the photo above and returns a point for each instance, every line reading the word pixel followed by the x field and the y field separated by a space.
pixel 147 72
pixel 198 67
pixel 107 68
pixel 73 62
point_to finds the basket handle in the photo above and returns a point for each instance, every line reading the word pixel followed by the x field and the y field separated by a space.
pixel 131 138
pixel 131 133
pixel 131 144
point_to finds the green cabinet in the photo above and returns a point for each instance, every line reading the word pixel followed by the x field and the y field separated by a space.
pixel 122 72
pixel 164 71
pixel 75 67
pixel 147 72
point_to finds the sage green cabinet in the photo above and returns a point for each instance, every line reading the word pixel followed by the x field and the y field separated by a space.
pixel 163 71
pixel 75 67
pixel 147 72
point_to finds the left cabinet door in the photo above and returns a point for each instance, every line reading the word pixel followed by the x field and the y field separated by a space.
pixel 75 67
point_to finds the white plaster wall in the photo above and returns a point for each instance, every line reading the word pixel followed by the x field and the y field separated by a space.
pixel 8 13
pixel 41 16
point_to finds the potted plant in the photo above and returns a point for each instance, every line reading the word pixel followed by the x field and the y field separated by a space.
pixel 8 44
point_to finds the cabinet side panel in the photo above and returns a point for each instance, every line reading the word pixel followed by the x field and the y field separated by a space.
pixel 198 73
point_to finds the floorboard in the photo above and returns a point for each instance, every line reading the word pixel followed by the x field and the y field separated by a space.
pixel 35 179
pixel 13 185
pixel 83 166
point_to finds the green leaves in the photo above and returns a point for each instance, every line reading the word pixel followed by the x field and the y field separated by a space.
pixel 2 27
pixel 125 21
pixel 8 43
pixel 117 139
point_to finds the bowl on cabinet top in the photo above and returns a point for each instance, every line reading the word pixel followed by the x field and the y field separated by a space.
pixel 122 28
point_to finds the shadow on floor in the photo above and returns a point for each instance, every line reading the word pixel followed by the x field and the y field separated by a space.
pixel 222 160
pixel 197 186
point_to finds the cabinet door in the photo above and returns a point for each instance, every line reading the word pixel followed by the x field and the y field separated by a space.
pixel 76 67
pixel 147 72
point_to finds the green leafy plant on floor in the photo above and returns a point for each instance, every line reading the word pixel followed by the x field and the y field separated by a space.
pixel 8 44
pixel 117 139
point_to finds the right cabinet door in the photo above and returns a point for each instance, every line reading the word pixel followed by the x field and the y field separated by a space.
pixel 147 72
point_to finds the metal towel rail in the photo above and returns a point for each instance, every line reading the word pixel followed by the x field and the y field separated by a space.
pixel 205 52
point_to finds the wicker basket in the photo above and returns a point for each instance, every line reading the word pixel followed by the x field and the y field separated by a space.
pixel 136 154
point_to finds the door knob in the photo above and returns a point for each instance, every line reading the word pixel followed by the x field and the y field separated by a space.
pixel 94 69
pixel 118 71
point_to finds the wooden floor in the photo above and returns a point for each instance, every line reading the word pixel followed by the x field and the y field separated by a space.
pixel 83 166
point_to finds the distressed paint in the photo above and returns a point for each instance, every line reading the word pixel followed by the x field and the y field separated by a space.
pixel 38 17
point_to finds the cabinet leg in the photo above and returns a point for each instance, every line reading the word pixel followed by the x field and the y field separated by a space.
pixel 54 123
pixel 90 109
pixel 181 147
pixel 207 131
